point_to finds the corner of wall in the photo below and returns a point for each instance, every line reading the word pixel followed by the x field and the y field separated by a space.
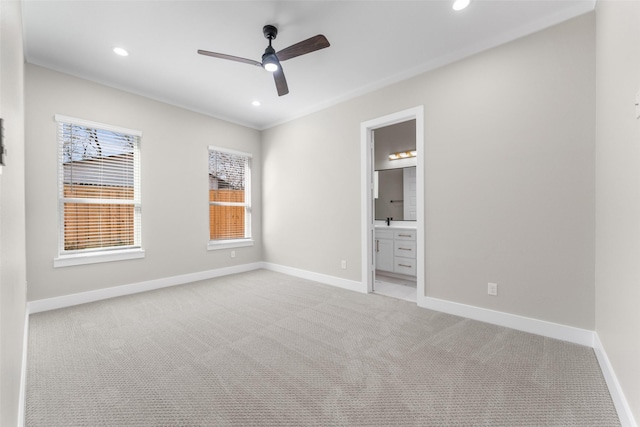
pixel 13 280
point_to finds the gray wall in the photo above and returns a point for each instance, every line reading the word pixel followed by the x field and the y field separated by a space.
pixel 311 193
pixel 175 221
pixel 12 211
pixel 509 179
pixel 617 192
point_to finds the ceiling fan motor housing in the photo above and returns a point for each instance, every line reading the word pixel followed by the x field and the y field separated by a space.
pixel 270 32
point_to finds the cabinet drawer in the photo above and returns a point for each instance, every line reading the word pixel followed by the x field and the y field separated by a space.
pixel 404 266
pixel 405 248
pixel 405 235
pixel 384 234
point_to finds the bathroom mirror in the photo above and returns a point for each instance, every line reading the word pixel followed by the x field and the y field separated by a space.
pixel 396 194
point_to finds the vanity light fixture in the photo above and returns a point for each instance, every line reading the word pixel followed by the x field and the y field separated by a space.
pixel 403 155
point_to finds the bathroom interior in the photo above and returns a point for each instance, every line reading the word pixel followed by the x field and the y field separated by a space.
pixel 395 210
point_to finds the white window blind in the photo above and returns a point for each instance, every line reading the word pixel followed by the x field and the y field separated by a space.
pixel 229 195
pixel 99 187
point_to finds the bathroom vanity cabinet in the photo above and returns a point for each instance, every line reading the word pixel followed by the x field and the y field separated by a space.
pixel 395 250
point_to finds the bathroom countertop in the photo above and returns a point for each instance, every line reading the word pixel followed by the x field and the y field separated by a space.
pixel 396 226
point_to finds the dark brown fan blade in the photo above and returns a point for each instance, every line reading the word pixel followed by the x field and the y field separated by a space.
pixel 306 46
pixel 230 57
pixel 281 82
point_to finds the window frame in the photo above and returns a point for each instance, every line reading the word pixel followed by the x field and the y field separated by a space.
pixel 248 232
pixel 67 258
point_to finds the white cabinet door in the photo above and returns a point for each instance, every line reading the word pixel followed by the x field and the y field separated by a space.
pixel 384 254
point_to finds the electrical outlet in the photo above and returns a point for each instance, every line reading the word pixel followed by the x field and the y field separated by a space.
pixel 343 264
pixel 492 289
pixel 233 254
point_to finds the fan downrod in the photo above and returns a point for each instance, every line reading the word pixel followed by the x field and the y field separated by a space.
pixel 270 32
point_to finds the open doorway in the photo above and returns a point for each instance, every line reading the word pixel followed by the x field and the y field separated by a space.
pixel 395 210
pixel 393 205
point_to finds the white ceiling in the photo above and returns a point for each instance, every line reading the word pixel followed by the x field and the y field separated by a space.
pixel 373 44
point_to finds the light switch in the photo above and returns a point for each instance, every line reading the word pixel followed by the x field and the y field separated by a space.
pixel 638 104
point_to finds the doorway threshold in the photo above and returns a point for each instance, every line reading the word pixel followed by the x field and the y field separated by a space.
pixel 396 288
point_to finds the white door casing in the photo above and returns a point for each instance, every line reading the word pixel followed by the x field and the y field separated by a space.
pixel 366 150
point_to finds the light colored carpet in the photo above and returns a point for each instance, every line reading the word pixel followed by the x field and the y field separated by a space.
pixel 266 349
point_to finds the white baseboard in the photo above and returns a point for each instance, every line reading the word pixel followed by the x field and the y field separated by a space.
pixel 23 372
pixel 547 329
pixel 521 323
pixel 134 288
pixel 513 321
pixel 38 306
pixel 571 334
pixel 617 395
pixel 339 282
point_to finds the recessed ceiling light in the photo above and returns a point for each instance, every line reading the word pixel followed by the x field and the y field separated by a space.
pixel 120 51
pixel 255 103
pixel 460 4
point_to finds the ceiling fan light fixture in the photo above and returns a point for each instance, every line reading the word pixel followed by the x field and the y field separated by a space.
pixel 271 66
pixel 270 62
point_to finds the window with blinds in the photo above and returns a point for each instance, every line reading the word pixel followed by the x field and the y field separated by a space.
pixel 99 187
pixel 229 195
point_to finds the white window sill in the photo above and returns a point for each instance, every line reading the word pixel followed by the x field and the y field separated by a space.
pixel 97 257
pixel 228 244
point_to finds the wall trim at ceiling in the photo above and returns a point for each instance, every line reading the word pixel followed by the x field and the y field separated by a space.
pixel 579 9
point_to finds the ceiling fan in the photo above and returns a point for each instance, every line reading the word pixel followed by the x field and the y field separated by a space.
pixel 271 59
